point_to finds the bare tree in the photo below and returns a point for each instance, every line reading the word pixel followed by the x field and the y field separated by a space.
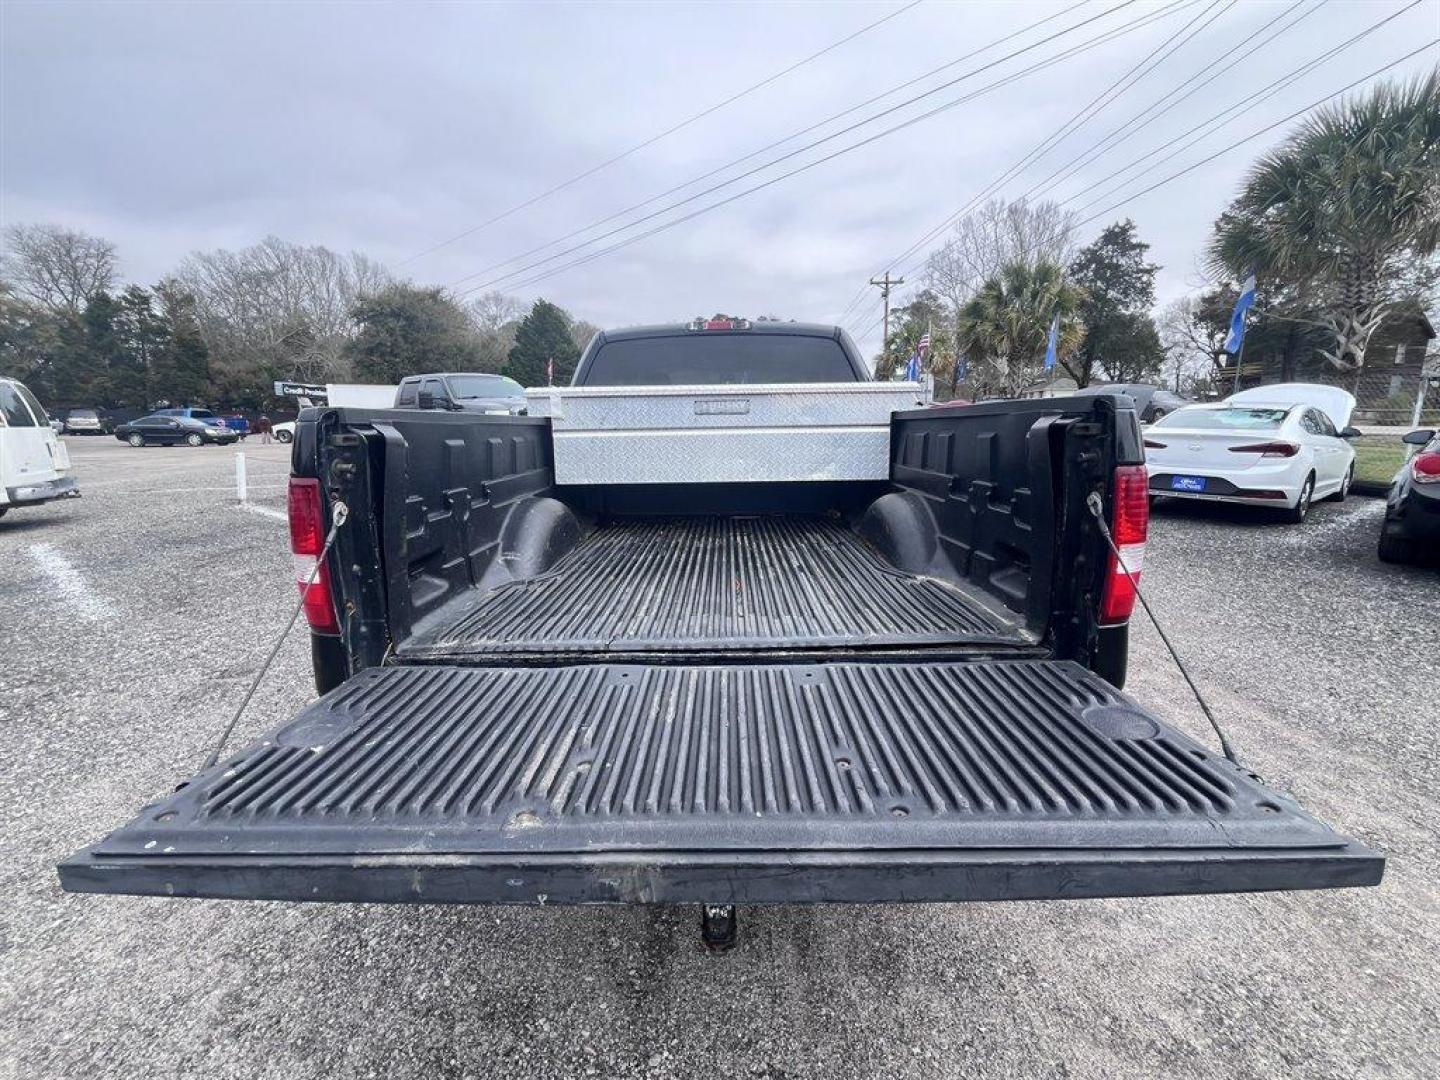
pixel 280 307
pixel 997 235
pixel 1189 347
pixel 992 237
pixel 495 317
pixel 57 268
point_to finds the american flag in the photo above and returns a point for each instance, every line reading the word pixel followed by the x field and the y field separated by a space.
pixel 924 345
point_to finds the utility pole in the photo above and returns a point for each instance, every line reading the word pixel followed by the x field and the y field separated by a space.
pixel 885 284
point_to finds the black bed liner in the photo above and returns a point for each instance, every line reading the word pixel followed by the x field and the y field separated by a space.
pixel 794 783
pixel 713 582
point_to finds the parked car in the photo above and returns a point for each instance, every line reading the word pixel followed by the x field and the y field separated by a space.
pixel 236 423
pixel 829 648
pixel 1151 402
pixel 34 464
pixel 209 416
pixel 166 429
pixel 284 431
pixel 1412 508
pixel 1280 446
pixel 85 422
pixel 495 395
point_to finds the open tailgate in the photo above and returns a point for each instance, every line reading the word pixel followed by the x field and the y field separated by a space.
pixel 710 784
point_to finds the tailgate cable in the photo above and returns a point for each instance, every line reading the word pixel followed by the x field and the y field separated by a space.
pixel 338 514
pixel 1098 509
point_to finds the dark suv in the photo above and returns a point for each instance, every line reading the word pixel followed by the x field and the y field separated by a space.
pixel 1412 508
pixel 462 392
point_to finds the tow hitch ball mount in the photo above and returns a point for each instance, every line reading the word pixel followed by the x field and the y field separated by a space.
pixel 718 927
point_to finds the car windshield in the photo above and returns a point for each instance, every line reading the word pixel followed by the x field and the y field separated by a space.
pixel 722 358
pixel 466 387
pixel 82 414
pixel 1235 419
pixel 202 414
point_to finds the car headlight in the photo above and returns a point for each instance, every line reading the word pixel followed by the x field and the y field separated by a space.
pixel 214 431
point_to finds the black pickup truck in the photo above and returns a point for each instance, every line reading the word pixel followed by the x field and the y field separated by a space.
pixel 892 689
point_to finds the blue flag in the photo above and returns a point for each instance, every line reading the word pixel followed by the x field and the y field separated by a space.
pixel 1054 341
pixel 912 369
pixel 1237 319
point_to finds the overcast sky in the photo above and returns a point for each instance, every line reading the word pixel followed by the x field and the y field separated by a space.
pixel 388 129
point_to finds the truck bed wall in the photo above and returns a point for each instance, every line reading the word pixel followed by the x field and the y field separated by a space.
pixel 984 496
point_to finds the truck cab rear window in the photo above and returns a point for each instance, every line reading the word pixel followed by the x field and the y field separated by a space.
pixel 719 358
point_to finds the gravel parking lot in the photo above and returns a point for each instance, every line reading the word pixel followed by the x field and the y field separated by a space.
pixel 132 619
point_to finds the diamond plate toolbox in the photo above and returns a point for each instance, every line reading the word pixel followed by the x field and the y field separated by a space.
pixel 722 434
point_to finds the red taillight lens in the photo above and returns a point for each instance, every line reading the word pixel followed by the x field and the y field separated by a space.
pixel 307 540
pixel 1129 527
pixel 1425 468
pixel 1268 449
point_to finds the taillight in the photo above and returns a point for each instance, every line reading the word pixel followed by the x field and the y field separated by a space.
pixel 1268 449
pixel 1425 468
pixel 307 540
pixel 1129 525
pixel 1151 444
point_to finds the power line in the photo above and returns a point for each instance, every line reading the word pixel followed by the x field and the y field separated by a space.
pixel 769 146
pixel 1093 109
pixel 1247 138
pixel 656 138
pixel 812 145
pixel 1004 80
pixel 1088 112
pixel 1200 79
pixel 1243 105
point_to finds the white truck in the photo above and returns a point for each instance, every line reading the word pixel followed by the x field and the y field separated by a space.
pixel 34 464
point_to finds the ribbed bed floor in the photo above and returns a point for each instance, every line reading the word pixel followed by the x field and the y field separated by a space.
pixel 760 582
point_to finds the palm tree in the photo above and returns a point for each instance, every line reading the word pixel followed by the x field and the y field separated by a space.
pixel 1340 206
pixel 1005 327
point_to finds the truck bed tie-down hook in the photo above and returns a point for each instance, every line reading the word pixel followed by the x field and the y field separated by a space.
pixel 1097 508
pixel 339 513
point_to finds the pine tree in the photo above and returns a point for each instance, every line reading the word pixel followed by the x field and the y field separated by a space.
pixel 180 367
pixel 1120 337
pixel 405 330
pixel 543 335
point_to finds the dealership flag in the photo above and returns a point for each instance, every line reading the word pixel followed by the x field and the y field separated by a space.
pixel 1054 340
pixel 1237 320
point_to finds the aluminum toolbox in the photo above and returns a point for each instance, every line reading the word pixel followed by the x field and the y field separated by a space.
pixel 722 434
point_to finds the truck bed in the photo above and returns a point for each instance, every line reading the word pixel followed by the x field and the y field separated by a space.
pixel 717 583
pixel 721 784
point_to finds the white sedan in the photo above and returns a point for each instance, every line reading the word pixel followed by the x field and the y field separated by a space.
pixel 1280 446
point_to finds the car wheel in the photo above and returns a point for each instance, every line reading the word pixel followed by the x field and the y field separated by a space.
pixel 1396 549
pixel 1297 513
pixel 194 440
pixel 283 436
pixel 1339 496
pixel 135 440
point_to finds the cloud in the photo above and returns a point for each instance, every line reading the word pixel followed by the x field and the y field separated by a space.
pixel 388 128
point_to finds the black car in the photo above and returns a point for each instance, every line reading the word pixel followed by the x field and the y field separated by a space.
pixel 1412 509
pixel 1151 402
pixel 460 391
pixel 172 430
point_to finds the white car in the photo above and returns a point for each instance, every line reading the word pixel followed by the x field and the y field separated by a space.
pixel 1281 446
pixel 284 431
